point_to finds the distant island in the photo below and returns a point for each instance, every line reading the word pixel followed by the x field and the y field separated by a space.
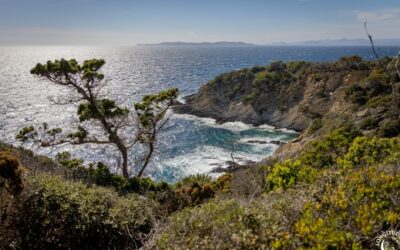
pixel 325 42
pixel 216 44
pixel 340 42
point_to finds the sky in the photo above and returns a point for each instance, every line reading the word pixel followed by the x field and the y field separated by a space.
pixel 128 22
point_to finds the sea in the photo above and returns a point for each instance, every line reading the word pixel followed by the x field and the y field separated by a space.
pixel 189 144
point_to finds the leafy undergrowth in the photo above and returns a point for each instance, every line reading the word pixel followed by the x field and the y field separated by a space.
pixel 340 192
pixel 73 206
pixel 72 215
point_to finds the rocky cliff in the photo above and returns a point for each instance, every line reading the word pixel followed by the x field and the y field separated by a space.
pixel 311 98
pixel 288 95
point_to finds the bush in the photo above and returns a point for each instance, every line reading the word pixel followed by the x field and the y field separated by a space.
pixel 390 128
pixel 142 185
pixel 380 101
pixel 352 62
pixel 10 173
pixel 210 226
pixel 377 83
pixel 73 167
pixel 261 76
pixel 287 174
pixel 371 151
pixel 257 69
pixel 277 66
pixel 352 211
pixel 357 95
pixel 11 187
pixel 26 133
pixel 222 183
pixel 198 178
pixel 228 224
pixel 315 125
pixel 102 176
pixel 69 215
pixel 297 66
pixel 324 152
pixel 194 194
pixel 194 190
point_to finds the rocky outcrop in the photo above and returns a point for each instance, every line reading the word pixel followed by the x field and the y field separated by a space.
pixel 287 95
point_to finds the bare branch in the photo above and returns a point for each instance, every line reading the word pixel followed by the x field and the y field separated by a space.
pixel 371 40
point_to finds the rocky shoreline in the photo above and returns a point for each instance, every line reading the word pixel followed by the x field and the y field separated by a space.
pixel 299 96
pixel 282 95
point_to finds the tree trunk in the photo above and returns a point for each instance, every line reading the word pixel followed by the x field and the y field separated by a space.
pixel 124 152
pixel 125 163
pixel 147 160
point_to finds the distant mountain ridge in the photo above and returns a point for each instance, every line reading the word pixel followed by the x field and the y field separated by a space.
pixel 325 42
pixel 341 42
pixel 223 43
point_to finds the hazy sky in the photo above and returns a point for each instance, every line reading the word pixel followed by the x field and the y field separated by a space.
pixel 127 22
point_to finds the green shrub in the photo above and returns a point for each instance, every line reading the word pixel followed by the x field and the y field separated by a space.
pixel 70 215
pixel 198 178
pixel 283 175
pixel 324 152
pixel 390 128
pixel 214 225
pixel 277 66
pixel 371 151
pixel 352 211
pixel 287 174
pixel 26 133
pixel 249 98
pixel 315 125
pixel 101 175
pixel 357 95
pixel 73 167
pixel 261 76
pixel 297 66
pixel 257 69
pixel 228 224
pixel 379 101
pixel 142 185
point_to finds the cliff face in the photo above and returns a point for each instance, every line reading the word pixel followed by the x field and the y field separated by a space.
pixel 283 95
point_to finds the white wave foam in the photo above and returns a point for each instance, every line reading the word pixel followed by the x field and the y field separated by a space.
pixel 234 126
pixel 206 158
pixel 181 99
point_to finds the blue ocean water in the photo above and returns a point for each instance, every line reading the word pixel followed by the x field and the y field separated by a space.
pixel 190 144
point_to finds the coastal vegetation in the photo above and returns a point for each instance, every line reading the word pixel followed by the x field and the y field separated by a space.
pixel 337 186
